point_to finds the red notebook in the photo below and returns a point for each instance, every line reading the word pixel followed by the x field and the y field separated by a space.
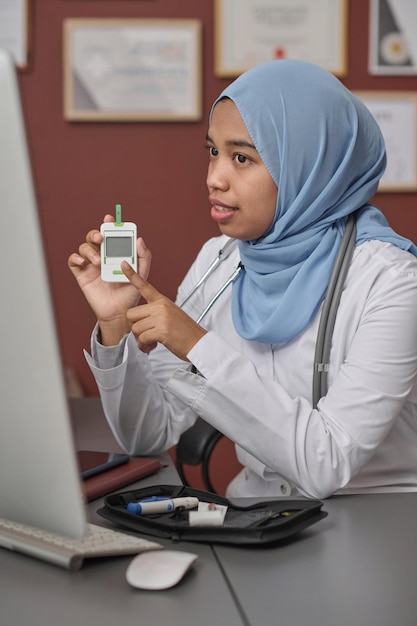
pixel 117 477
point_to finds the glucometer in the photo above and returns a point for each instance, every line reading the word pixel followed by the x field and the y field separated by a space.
pixel 119 244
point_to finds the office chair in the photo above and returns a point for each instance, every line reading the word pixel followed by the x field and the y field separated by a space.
pixel 194 448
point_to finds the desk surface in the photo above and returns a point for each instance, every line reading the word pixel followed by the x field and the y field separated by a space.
pixel 357 567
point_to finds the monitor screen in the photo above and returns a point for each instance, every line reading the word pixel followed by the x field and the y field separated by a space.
pixel 39 480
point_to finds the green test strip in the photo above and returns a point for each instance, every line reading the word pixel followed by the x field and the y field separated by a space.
pixel 119 214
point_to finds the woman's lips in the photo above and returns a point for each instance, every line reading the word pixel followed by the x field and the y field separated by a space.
pixel 220 212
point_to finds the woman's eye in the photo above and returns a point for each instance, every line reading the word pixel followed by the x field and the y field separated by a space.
pixel 212 151
pixel 241 158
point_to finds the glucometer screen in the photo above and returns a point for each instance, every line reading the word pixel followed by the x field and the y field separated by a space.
pixel 119 246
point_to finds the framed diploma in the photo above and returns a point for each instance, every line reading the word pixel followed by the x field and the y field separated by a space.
pixel 249 32
pixel 393 37
pixel 132 69
pixel 396 114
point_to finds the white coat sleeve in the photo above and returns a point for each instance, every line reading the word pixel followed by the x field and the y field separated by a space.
pixel 142 413
pixel 144 417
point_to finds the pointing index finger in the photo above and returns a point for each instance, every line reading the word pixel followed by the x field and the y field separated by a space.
pixel 145 289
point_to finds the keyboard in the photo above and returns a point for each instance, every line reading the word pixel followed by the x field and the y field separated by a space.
pixel 67 552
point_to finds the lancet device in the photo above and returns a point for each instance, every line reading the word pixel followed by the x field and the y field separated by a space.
pixel 119 244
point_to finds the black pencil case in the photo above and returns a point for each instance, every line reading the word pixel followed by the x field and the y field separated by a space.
pixel 261 523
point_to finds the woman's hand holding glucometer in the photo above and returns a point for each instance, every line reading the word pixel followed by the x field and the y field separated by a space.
pixel 110 301
pixel 115 303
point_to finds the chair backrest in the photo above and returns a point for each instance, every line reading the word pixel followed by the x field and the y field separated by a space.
pixel 194 448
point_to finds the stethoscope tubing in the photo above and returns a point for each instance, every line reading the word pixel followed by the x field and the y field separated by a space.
pixel 228 282
pixel 223 254
pixel 329 311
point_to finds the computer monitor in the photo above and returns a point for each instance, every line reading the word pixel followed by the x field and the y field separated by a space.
pixel 39 476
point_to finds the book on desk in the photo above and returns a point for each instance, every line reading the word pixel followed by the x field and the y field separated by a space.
pixel 120 476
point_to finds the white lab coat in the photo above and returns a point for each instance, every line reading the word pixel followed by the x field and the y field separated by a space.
pixel 362 436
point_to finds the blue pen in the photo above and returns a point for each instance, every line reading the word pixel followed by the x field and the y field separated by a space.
pixel 161 505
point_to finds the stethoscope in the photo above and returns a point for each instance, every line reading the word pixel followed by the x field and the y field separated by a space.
pixel 221 256
pixel 330 304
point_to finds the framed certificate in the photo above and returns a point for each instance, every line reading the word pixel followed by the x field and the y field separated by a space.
pixel 393 37
pixel 132 69
pixel 396 114
pixel 248 33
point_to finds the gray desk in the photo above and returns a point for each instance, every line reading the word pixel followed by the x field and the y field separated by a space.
pixel 357 567
pixel 40 594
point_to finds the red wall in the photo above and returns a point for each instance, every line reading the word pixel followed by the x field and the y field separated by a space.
pixel 155 170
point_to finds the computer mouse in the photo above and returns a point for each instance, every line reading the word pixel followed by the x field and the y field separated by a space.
pixel 159 569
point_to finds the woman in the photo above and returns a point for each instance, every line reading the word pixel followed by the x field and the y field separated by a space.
pixel 292 154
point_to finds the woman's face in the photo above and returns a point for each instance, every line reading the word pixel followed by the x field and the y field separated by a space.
pixel 242 193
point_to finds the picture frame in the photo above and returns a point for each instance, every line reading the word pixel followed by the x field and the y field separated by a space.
pixel 396 115
pixel 146 69
pixel 15 30
pixel 248 33
pixel 393 37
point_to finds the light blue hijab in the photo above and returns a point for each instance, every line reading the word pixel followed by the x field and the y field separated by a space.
pixel 326 154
